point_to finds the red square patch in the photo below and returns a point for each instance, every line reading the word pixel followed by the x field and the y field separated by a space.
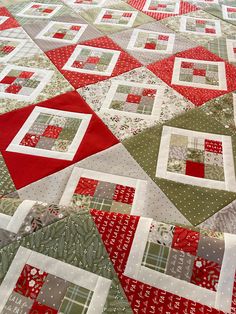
pixel 163 37
pixel 94 60
pixel 75 28
pixel 52 131
pixel 78 64
pixel 47 10
pixel 185 240
pixel 210 30
pixel 149 92
pixel 162 6
pixel 58 35
pixel 205 273
pixel 30 140
pixel 194 169
pixel 213 146
pixel 127 14
pixel 26 74
pixel 199 72
pixel 86 186
pixel 133 98
pixel 187 65
pixel 8 49
pixel 200 22
pixel 13 89
pixel 30 281
pixel 124 194
pixel 107 16
pixel 8 80
pixel 150 46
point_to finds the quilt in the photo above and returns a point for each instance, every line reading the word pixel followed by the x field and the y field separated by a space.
pixel 117 156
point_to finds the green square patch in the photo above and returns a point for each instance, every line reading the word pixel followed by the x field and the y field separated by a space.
pixel 155 256
pixel 76 300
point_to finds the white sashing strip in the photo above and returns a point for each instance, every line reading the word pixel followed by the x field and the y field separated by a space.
pixel 227 275
pixel 19 216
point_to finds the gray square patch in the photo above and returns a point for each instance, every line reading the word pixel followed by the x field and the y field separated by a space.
pixel 53 291
pixel 180 265
pixel 211 249
pixel 45 143
pixel 105 190
pixel 17 303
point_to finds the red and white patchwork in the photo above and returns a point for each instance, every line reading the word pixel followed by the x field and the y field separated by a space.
pixel 160 9
pixel 92 61
pixel 197 74
pixel 32 164
pixel 116 17
pixel 23 83
pixel 134 100
pixel 196 158
pixel 3 19
pixel 6 20
pixel 39 10
pixel 9 47
pixel 200 26
pixel 104 191
pixel 229 13
pixel 162 6
pixel 51 133
pixel 62 32
pixel 177 273
pixel 149 41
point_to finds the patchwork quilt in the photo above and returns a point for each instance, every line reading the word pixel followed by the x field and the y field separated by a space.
pixel 117 156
